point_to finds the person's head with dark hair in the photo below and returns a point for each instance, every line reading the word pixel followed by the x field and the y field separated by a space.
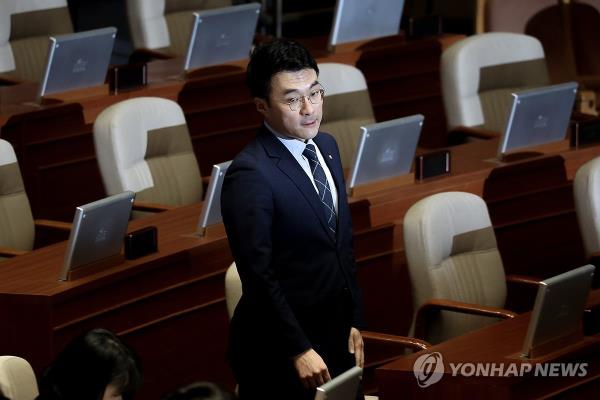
pixel 282 77
pixel 200 391
pixel 94 366
pixel 273 57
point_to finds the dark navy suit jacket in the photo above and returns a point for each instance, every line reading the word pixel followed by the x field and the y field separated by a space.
pixel 291 266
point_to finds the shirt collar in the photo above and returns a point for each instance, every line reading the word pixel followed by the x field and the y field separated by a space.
pixel 295 146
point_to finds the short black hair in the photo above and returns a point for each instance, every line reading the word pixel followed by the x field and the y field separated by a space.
pixel 200 391
pixel 88 365
pixel 273 57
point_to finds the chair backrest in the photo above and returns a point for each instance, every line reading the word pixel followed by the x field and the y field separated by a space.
pixel 16 221
pixel 28 24
pixel 347 106
pixel 513 15
pixel 143 145
pixel 233 288
pixel 479 73
pixel 17 380
pixel 165 25
pixel 452 254
pixel 508 15
pixel 586 187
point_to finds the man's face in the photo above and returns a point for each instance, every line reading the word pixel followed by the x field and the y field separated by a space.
pixel 301 124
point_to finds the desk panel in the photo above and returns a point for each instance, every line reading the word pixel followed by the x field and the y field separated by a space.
pixel 497 343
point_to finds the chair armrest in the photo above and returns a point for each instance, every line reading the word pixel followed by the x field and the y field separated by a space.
pixel 151 207
pixel 521 292
pixel 523 279
pixel 380 349
pixel 466 308
pixel 436 305
pixel 7 80
pixel 388 344
pixel 10 252
pixel 51 224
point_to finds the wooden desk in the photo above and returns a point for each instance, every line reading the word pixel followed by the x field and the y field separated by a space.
pixel 169 305
pixel 54 143
pixel 496 343
pixel 534 201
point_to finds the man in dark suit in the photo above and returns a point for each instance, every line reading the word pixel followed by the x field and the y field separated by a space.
pixel 287 219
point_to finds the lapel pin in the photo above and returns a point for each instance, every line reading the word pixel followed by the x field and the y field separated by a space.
pixel 331 158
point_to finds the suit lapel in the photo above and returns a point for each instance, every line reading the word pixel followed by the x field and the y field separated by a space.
pixel 290 167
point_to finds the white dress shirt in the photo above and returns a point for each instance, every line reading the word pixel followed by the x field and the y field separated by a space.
pixel 296 147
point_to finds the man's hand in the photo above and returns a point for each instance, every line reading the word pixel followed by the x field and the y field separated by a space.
pixel 311 369
pixel 356 347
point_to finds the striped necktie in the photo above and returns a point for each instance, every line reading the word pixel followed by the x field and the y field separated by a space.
pixel 322 186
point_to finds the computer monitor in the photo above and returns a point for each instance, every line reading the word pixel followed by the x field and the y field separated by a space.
pixel 558 310
pixel 211 207
pixel 365 19
pixel 385 150
pixel 342 387
pixel 221 35
pixel 98 231
pixel 538 116
pixel 77 60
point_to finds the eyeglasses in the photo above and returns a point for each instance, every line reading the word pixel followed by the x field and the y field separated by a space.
pixel 315 97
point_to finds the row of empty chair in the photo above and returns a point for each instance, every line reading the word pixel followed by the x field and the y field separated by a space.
pixel 25 25
pixel 568 31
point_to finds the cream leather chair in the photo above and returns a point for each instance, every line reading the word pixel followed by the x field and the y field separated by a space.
pixel 24 29
pixel 17 380
pixel 165 25
pixel 454 265
pixel 382 347
pixel 143 145
pixel 479 73
pixel 17 226
pixel 233 289
pixel 586 186
pixel 17 229
pixel 347 106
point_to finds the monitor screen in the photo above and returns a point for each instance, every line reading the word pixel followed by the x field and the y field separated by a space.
pixel 221 35
pixel 211 207
pixel 355 20
pixel 78 60
pixel 538 116
pixel 385 150
pixel 558 309
pixel 98 231
pixel 342 387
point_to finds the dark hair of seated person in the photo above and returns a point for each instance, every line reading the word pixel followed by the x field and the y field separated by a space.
pixel 200 391
pixel 2 397
pixel 88 365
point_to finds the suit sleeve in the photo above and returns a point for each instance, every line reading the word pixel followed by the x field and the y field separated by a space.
pixel 358 320
pixel 247 209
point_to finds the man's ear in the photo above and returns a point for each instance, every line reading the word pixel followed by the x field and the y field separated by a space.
pixel 261 106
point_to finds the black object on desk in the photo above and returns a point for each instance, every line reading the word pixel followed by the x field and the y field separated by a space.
pixel 141 242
